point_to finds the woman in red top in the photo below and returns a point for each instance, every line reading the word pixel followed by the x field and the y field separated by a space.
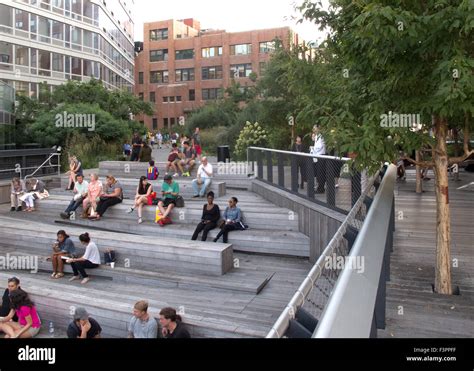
pixel 28 324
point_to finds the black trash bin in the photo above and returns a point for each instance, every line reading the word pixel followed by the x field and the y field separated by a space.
pixel 223 153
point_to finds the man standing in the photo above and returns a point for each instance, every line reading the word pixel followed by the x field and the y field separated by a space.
pixel 196 138
pixel 137 144
pixel 319 149
pixel 142 325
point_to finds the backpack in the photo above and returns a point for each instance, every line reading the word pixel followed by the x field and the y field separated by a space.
pixel 152 173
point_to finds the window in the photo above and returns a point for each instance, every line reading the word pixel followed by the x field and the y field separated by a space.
pixel 212 73
pixel 140 78
pixel 58 62
pixel 158 55
pixel 159 77
pixel 140 96
pixel 184 54
pixel 7 18
pixel 241 49
pixel 192 95
pixel 240 70
pixel 179 98
pixel 212 94
pixel 165 122
pixel 160 34
pixel 186 74
pixel 171 99
pixel 267 47
pixel 44 59
pixel 21 55
pixel 214 51
pixel 152 97
pixel 155 123
pixel 165 100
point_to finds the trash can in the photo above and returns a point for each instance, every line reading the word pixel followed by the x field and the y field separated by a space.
pixel 223 154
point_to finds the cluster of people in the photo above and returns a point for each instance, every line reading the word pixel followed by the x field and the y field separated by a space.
pixel 19 318
pixel 26 193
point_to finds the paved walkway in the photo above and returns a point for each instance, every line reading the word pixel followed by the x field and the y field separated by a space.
pixel 412 308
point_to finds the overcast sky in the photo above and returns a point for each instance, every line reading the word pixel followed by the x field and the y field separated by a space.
pixel 233 16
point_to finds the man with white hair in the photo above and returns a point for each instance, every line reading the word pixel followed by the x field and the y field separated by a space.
pixel 204 178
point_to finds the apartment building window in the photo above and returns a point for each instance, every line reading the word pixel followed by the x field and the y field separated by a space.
pixel 140 96
pixel 212 73
pixel 212 94
pixel 179 98
pixel 140 78
pixel 215 51
pixel 192 95
pixel 158 55
pixel 152 97
pixel 267 47
pixel 240 70
pixel 160 34
pixel 171 99
pixel 165 122
pixel 155 123
pixel 186 74
pixel 241 49
pixel 184 54
pixel 159 77
pixel 165 99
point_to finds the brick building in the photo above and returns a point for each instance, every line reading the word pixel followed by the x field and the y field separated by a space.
pixel 182 66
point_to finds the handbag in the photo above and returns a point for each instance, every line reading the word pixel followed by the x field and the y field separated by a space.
pixel 109 257
pixel 180 202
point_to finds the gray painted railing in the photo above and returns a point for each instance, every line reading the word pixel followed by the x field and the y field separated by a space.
pixel 356 307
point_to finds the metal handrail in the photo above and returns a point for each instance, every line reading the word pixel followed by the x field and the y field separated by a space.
pixel 281 325
pixel 58 155
pixel 350 311
pixel 346 159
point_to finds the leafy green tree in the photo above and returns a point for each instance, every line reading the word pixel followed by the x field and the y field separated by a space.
pixel 384 57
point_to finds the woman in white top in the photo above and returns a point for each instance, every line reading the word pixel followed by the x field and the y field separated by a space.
pixel 90 259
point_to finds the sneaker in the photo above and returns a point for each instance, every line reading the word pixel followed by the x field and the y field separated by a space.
pixel 131 210
pixel 175 175
pixel 196 196
pixel 12 209
pixel 64 215
pixel 337 185
pixel 85 280
pixel 74 278
pixel 140 220
pixel 19 208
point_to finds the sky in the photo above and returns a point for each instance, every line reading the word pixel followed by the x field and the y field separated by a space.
pixel 232 16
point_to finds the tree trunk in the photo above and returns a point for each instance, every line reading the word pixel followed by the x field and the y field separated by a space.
pixel 443 217
pixel 419 182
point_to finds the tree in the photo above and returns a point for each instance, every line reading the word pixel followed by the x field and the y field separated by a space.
pixel 386 59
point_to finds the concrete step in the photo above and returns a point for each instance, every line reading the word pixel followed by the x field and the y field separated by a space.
pixel 254 216
pixel 240 279
pixel 111 304
pixel 138 252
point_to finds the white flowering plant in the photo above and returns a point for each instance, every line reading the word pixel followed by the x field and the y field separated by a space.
pixel 251 135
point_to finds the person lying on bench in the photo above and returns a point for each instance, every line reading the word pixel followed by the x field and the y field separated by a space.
pixel 210 216
pixel 63 247
pixel 90 259
pixel 232 220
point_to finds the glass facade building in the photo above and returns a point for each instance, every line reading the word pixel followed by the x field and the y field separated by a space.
pixel 7 119
pixel 52 41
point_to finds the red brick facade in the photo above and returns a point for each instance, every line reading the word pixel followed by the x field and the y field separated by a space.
pixel 187 35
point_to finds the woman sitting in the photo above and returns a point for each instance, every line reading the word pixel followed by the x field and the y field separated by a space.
pixel 210 216
pixel 17 190
pixel 63 247
pixel 94 191
pixel 113 195
pixel 90 259
pixel 36 190
pixel 142 197
pixel 29 324
pixel 232 220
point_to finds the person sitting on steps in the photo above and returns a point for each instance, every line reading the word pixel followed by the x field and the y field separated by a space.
pixel 232 220
pixel 17 189
pixel 94 191
pixel 144 190
pixel 90 260
pixel 80 193
pixel 204 178
pixel 63 247
pixel 112 196
pixel 170 192
pixel 210 216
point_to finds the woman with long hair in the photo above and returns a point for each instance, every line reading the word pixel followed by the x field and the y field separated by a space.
pixel 29 323
pixel 144 191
